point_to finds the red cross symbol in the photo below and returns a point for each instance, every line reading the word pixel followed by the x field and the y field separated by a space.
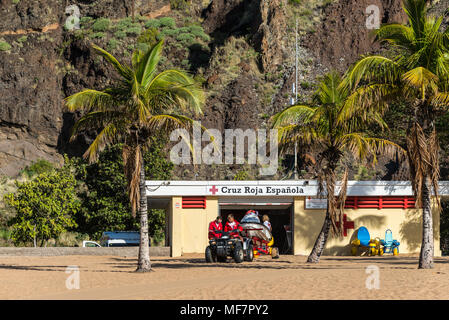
pixel 346 225
pixel 213 190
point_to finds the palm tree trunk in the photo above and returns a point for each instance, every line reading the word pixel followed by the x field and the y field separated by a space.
pixel 320 242
pixel 426 254
pixel 144 264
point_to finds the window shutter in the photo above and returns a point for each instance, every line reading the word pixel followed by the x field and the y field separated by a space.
pixel 194 202
pixel 380 202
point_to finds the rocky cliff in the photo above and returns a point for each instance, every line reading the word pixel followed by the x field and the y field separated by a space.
pixel 245 57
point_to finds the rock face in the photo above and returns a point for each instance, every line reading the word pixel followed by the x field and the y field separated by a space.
pixel 33 82
pixel 30 108
pixel 270 37
pixel 263 20
pixel 344 35
pixel 40 71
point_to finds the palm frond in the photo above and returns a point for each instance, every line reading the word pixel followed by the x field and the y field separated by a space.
pixel 440 99
pixel 105 137
pixel 422 79
pixel 89 99
pixel 169 122
pixel 416 12
pixel 292 115
pixel 396 34
pixel 370 69
pixel 362 146
pixel 124 71
pixel 183 90
pixel 368 99
pixel 95 119
pixel 147 65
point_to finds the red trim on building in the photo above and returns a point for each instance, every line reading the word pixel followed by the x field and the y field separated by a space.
pixel 346 225
pixel 380 202
pixel 194 202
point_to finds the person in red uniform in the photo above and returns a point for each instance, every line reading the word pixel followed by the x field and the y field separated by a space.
pixel 232 224
pixel 215 226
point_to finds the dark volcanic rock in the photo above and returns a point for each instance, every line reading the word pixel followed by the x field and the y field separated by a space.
pixel 263 20
pixel 343 35
pixel 36 75
pixel 34 78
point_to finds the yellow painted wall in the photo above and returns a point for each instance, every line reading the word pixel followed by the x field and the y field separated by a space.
pixel 176 227
pixel 190 226
pixel 406 226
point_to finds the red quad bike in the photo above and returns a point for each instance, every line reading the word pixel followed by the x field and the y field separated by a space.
pixel 229 244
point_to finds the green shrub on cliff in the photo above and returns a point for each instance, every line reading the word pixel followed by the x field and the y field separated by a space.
pixel 85 21
pixel 134 30
pixel 149 36
pixel 22 39
pixel 179 4
pixel 112 44
pixel 152 23
pixel 101 25
pixel 167 22
pixel 120 34
pixel 36 168
pixel 124 24
pixel 186 38
pixel 4 46
pixel 97 35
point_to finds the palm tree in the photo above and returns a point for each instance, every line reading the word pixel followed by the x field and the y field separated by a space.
pixel 142 103
pixel 416 74
pixel 317 126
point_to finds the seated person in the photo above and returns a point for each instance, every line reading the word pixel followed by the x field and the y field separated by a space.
pixel 266 221
pixel 232 224
pixel 251 216
pixel 215 226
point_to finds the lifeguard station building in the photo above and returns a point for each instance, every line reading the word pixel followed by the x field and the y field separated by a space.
pixel 295 211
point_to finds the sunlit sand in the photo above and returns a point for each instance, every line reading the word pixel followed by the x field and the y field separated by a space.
pixel 189 277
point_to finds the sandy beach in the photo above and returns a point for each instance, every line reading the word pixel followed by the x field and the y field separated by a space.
pixel 189 277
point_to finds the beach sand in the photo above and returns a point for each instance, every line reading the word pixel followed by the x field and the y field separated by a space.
pixel 189 277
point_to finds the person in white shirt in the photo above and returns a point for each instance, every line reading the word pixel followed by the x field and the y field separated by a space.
pixel 266 221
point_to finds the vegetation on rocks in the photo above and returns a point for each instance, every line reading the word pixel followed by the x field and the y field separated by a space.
pixel 4 46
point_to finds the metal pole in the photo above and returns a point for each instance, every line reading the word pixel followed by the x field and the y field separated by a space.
pixel 296 61
pixel 296 90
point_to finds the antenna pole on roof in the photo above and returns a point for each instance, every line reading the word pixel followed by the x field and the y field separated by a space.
pixel 296 89
pixel 296 61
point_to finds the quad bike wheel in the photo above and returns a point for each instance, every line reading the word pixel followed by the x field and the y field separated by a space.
pixel 238 253
pixel 395 251
pixel 250 253
pixel 210 257
pixel 275 253
pixel 354 250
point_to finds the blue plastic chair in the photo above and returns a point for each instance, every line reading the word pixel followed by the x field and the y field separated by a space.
pixel 363 241
pixel 389 244
pixel 363 236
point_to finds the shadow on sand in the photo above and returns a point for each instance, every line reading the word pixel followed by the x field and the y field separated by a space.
pixel 327 263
